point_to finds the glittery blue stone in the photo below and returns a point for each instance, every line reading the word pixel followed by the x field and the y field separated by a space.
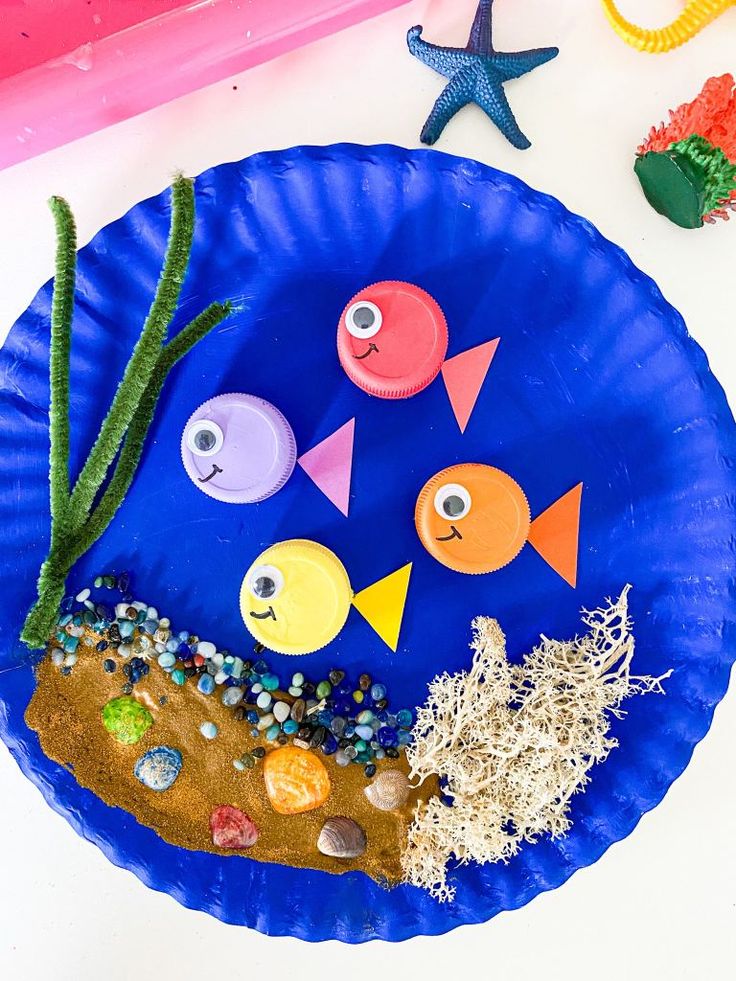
pixel 405 717
pixel 349 730
pixel 290 727
pixel 260 667
pixel 206 684
pixel 364 732
pixel 172 645
pixel 158 768
pixel 253 717
pixel 273 732
pixel 232 682
pixel 387 737
pixel 184 653
pixel 126 628
pixel 324 717
pixel 378 692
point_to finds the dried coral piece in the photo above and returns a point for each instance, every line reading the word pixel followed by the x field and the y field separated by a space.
pixel 296 780
pixel 515 742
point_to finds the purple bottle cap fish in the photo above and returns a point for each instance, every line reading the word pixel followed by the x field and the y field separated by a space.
pixel 238 448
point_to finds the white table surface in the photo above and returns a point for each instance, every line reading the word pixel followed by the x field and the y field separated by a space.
pixel 661 904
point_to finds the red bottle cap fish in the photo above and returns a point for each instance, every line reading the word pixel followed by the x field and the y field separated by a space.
pixel 392 339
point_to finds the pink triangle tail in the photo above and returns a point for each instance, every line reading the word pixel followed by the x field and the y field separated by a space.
pixel 330 465
pixel 464 375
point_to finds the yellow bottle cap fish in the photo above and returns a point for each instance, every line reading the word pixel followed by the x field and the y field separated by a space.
pixel 295 597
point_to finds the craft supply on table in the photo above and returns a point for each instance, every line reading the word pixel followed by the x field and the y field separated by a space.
pixel 687 167
pixel 477 74
pixel 475 519
pixel 296 596
pixel 696 15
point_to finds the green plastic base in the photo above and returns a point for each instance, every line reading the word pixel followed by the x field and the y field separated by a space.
pixel 673 186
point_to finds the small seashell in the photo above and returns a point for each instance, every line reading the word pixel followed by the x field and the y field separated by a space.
pixel 389 791
pixel 158 768
pixel 231 828
pixel 341 837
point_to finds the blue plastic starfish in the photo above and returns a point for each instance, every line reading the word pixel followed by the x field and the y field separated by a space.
pixel 476 74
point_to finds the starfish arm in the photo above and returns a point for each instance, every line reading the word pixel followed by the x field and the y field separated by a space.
pixel 479 41
pixel 454 97
pixel 446 61
pixel 490 96
pixel 514 64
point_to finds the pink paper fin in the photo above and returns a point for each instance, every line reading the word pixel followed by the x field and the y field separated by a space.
pixel 464 376
pixel 330 465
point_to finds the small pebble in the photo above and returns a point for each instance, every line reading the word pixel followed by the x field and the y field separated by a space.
pixel 84 595
pixel 378 692
pixel 324 688
pixel 178 676
pixel 259 752
pixel 273 732
pixel 297 680
pixel 336 676
pixel 265 721
pixel 264 700
pixel 290 727
pixel 166 660
pixel 270 682
pixel 296 692
pixel 365 732
pixel 208 730
pixel 206 649
pixel 206 684
pixel 298 709
pixel 57 657
pixel 109 665
pixel 281 711
pixel 364 682
pixel 231 696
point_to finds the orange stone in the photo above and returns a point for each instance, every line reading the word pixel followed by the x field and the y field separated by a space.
pixel 296 780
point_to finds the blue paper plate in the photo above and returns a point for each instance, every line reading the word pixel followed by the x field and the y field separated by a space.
pixel 595 379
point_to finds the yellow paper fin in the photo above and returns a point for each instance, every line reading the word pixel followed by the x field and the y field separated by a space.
pixel 382 604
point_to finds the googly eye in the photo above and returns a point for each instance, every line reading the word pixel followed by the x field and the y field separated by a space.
pixel 363 319
pixel 452 502
pixel 205 438
pixel 266 582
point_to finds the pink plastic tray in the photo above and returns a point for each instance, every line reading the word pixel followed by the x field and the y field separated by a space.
pixel 70 67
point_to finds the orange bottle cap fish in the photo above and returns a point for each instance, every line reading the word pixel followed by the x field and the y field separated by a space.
pixel 392 339
pixel 475 519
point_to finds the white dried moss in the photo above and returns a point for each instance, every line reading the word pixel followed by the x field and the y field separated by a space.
pixel 515 742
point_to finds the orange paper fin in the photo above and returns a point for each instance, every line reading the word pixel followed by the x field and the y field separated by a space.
pixel 464 375
pixel 554 534
pixel 382 604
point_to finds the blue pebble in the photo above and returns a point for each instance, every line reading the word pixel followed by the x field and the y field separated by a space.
pixel 158 768
pixel 273 732
pixel 349 730
pixel 405 717
pixel 71 644
pixel 255 733
pixel 184 653
pixel 387 737
pixel 149 626
pixel 364 732
pixel 172 645
pixel 252 717
pixel 324 717
pixel 183 635
pixel 378 692
pixel 290 727
pixel 329 746
pixel 206 684
pixel 260 667
pixel 63 621
pixel 109 665
pixel 270 682
pixel 126 628
pixel 166 660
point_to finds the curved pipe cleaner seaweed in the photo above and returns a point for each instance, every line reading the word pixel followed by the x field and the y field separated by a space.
pixel 76 520
pixel 687 167
pixel 696 15
pixel 477 74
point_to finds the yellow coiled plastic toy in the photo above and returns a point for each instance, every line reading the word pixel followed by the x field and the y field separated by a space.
pixel 696 15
